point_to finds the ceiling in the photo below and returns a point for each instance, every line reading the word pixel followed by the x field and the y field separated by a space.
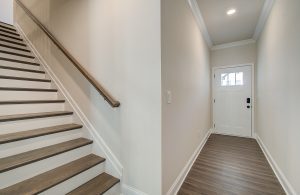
pixel 224 29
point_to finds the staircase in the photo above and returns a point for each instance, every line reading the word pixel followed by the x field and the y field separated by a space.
pixel 42 149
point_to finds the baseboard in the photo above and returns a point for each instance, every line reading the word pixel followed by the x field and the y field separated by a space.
pixel 289 190
pixel 113 165
pixel 186 169
pixel 128 190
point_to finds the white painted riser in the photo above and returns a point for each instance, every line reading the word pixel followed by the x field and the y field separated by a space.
pixel 76 181
pixel 24 84
pixel 13 45
pixel 21 74
pixel 30 108
pixel 19 65
pixel 25 172
pixel 116 189
pixel 27 95
pixel 16 126
pixel 16 51
pixel 15 57
pixel 21 146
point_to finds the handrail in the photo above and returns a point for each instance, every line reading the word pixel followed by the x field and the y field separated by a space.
pixel 90 78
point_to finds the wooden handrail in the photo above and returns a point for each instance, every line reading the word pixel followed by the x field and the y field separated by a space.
pixel 89 77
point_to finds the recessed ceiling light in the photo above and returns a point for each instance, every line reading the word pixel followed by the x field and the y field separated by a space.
pixel 231 11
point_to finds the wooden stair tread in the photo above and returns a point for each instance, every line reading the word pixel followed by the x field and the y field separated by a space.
pixel 19 61
pixel 31 102
pixel 24 78
pixel 26 89
pixel 99 185
pixel 22 69
pixel 53 177
pixel 18 160
pixel 16 117
pixel 11 137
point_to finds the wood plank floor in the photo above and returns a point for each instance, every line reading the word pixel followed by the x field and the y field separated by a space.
pixel 231 165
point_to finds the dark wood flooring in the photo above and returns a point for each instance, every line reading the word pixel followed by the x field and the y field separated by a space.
pixel 231 165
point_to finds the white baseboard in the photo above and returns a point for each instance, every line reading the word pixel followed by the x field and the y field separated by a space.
pixel 113 165
pixel 289 190
pixel 128 190
pixel 186 169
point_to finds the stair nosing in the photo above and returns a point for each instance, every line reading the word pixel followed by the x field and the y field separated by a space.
pixel 9 32
pixel 31 102
pixel 11 37
pixel 19 61
pixel 25 79
pixel 70 127
pixel 34 115
pixel 16 48
pixel 27 89
pixel 13 42
pixel 17 54
pixel 22 69
pixel 72 174
pixel 43 157
pixel 8 28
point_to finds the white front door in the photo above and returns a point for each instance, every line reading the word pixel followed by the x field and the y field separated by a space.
pixel 232 100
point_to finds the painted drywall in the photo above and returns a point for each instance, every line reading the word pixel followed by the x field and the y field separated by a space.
pixel 278 91
pixel 242 54
pixel 6 11
pixel 186 74
pixel 118 42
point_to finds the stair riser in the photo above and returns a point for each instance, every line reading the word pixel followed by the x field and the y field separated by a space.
pixel 25 172
pixel 22 83
pixel 11 40
pixel 21 146
pixel 16 126
pixel 19 65
pixel 30 108
pixel 16 73
pixel 15 57
pixel 27 95
pixel 12 35
pixel 116 189
pixel 14 50
pixel 9 26
pixel 76 181
pixel 13 45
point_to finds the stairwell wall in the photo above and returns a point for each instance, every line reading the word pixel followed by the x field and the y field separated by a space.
pixel 118 42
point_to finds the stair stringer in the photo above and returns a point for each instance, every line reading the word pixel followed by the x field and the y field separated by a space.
pixel 100 147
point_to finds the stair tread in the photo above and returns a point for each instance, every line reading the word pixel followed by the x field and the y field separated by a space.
pixel 15 117
pixel 31 102
pixel 19 61
pixel 16 54
pixel 24 78
pixel 15 48
pixel 11 137
pixel 99 185
pixel 8 28
pixel 22 69
pixel 13 42
pixel 26 89
pixel 9 32
pixel 53 177
pixel 15 161
pixel 12 37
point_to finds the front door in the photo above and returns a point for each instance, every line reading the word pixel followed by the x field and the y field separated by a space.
pixel 232 100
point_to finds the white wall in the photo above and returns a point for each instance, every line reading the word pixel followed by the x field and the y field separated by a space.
pixel 186 73
pixel 6 11
pixel 234 55
pixel 278 90
pixel 119 43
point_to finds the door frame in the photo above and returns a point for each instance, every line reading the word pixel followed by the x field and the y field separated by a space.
pixel 252 95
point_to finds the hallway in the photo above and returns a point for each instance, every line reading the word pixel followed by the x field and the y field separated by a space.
pixel 231 165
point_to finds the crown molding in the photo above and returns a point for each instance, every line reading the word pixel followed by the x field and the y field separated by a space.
pixel 200 21
pixel 233 44
pixel 267 8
